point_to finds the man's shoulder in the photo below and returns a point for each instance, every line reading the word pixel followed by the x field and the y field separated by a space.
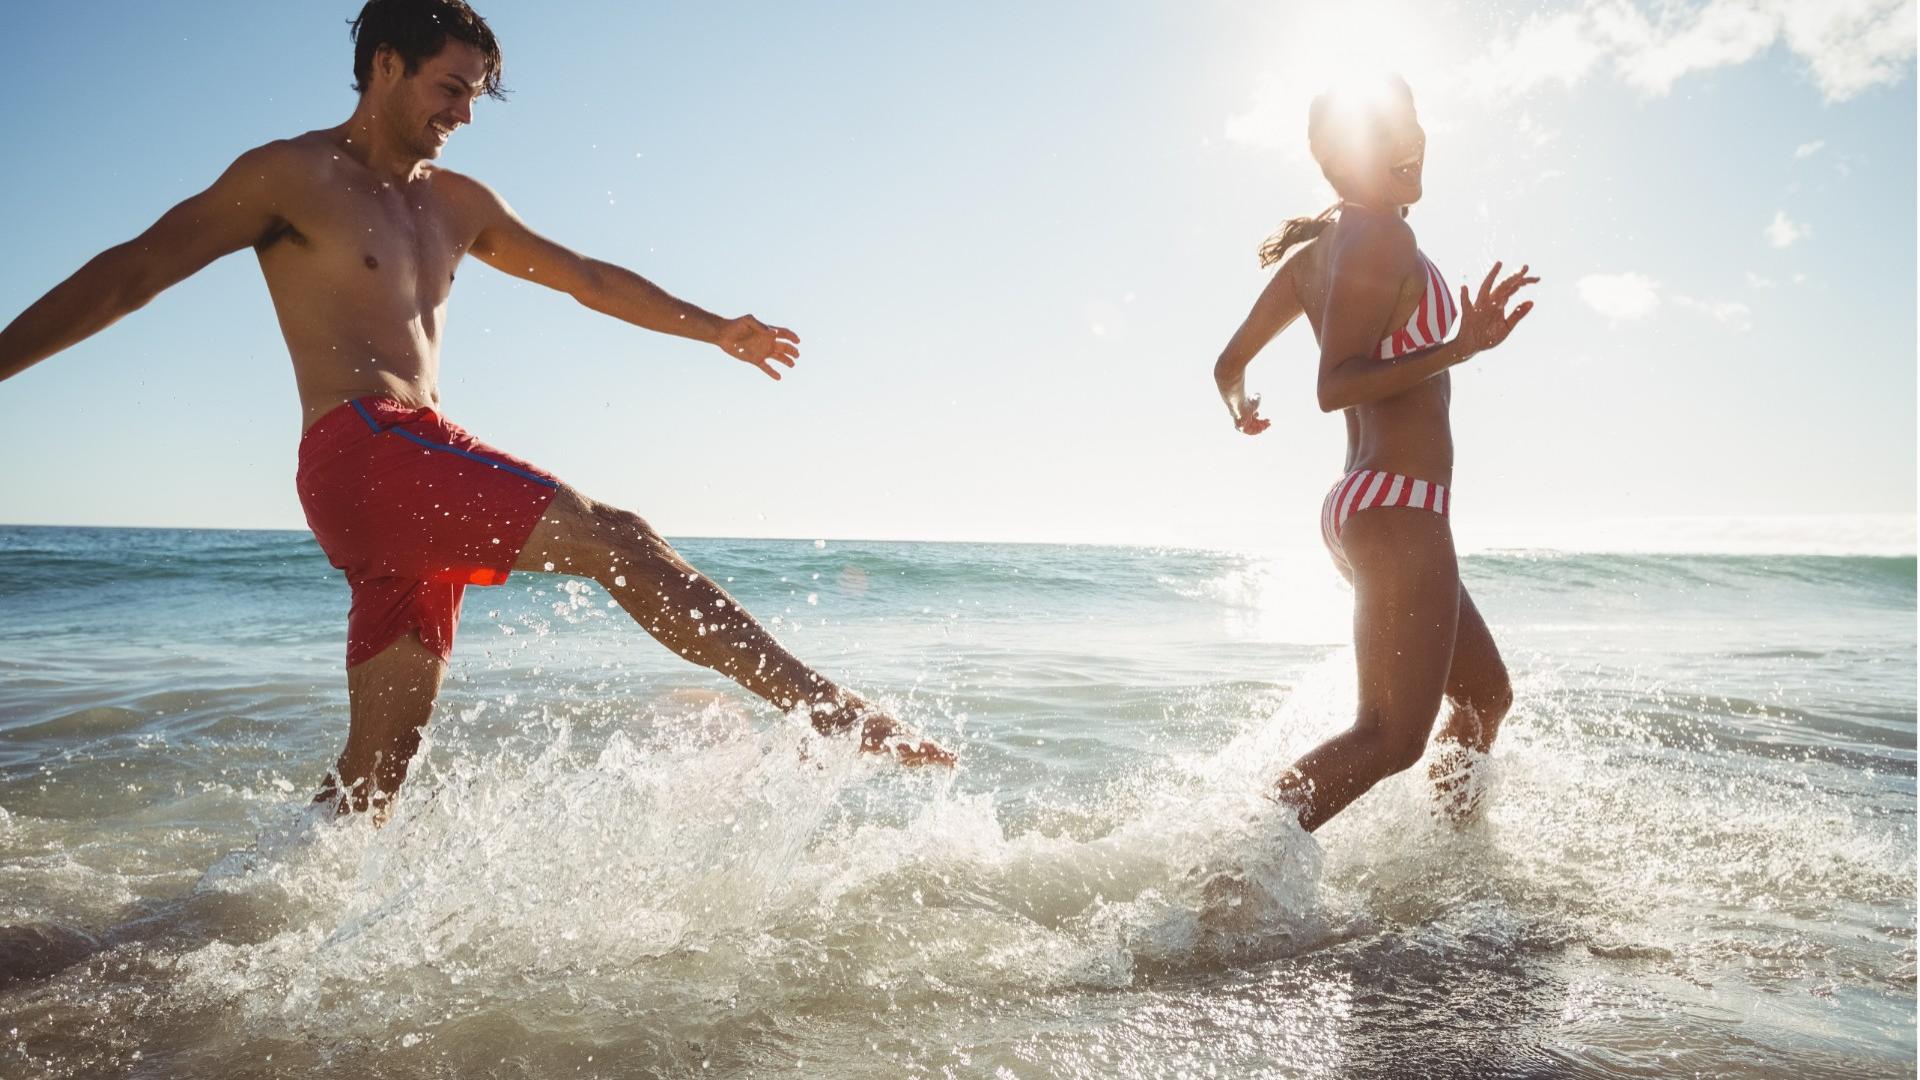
pixel 280 162
pixel 304 148
pixel 459 184
pixel 467 195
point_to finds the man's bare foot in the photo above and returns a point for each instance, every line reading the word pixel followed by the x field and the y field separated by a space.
pixel 355 800
pixel 882 734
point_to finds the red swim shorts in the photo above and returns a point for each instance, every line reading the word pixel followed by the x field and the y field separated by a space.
pixel 414 509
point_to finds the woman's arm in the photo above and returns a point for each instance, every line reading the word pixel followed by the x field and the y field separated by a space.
pixel 1278 306
pixel 1364 283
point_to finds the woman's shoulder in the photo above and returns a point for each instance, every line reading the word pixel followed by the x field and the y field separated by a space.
pixel 1382 241
pixel 1386 232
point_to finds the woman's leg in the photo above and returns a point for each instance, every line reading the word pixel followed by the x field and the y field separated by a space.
pixel 1406 613
pixel 1479 695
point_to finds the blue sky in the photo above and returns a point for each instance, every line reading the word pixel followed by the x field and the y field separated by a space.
pixel 1014 237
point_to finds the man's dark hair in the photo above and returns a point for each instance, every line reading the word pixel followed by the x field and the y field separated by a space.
pixel 418 30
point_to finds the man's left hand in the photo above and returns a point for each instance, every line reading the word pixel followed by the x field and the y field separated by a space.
pixel 747 338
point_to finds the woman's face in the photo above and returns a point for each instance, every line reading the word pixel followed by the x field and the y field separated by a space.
pixel 1381 148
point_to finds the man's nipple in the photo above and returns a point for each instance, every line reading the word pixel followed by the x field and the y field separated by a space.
pixel 372 263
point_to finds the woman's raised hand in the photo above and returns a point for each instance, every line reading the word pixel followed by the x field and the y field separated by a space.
pixel 1484 321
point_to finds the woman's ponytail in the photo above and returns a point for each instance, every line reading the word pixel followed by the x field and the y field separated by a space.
pixel 1296 231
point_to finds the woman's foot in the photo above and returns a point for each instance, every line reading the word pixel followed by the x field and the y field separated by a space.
pixel 1459 775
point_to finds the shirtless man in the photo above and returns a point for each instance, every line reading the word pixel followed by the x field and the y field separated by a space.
pixel 358 234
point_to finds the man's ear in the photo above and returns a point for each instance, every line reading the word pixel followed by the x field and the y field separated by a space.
pixel 387 61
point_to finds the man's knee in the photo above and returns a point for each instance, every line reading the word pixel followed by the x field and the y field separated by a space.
pixel 623 527
pixel 628 551
pixel 592 536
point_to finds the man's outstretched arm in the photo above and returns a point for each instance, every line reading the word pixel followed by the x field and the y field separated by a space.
pixel 505 243
pixel 233 213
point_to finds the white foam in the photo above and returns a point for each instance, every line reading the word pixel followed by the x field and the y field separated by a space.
pixel 709 864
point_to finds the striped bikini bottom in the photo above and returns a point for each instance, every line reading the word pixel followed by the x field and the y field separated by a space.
pixel 1364 489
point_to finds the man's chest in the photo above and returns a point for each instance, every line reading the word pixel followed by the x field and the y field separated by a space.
pixel 361 236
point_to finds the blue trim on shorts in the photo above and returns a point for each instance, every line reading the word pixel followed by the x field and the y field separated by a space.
pixel 364 415
pixel 444 448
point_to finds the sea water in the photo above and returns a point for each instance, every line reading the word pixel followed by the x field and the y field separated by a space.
pixel 1697 856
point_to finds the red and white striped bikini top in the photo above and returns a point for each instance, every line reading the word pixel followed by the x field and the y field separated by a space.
pixel 1431 320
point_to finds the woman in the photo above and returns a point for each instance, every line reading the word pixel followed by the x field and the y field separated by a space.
pixel 1381 313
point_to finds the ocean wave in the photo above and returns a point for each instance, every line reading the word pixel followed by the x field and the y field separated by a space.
pixel 1017 579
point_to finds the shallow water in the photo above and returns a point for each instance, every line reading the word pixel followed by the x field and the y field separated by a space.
pixel 1697 857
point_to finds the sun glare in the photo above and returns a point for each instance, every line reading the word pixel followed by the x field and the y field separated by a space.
pixel 1358 45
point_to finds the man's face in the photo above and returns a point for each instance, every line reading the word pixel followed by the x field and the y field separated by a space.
pixel 423 109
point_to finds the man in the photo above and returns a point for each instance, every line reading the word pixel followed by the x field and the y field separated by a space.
pixel 358 235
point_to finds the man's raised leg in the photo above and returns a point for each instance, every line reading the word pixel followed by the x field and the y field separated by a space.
pixel 390 698
pixel 690 614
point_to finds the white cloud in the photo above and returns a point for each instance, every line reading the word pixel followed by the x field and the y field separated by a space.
pixel 1547 48
pixel 1538 134
pixel 1756 281
pixel 1847 46
pixel 1620 297
pixel 1628 296
pixel 1783 231
pixel 1276 117
pixel 1729 313
pixel 1653 56
pixel 1807 149
pixel 1851 45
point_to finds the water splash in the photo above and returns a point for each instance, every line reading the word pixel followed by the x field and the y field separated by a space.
pixel 716 864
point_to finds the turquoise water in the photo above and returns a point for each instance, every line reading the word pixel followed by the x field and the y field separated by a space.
pixel 1698 857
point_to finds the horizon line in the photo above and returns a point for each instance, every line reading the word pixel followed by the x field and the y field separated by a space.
pixel 1900 547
